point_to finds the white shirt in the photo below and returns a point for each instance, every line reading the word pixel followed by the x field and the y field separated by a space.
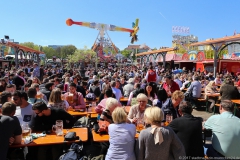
pixel 25 115
pixel 117 93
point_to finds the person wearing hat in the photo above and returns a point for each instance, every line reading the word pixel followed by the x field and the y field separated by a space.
pixel 19 80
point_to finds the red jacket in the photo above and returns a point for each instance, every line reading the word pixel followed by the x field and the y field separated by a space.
pixel 174 86
pixel 152 76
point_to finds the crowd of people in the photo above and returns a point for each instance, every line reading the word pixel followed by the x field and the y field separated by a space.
pixel 37 95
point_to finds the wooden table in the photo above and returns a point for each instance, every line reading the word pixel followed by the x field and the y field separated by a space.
pixel 237 101
pixel 76 113
pixel 123 99
pixel 213 94
pixel 52 138
pixel 104 137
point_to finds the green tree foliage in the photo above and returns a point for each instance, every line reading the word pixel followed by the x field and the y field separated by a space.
pixel 84 54
pixel 66 50
pixel 126 53
pixel 209 54
pixel 29 45
pixel 49 52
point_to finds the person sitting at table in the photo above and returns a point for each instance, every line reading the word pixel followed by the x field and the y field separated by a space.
pixel 211 89
pixel 46 117
pixel 132 100
pixel 10 129
pixel 48 89
pixel 36 86
pixel 194 92
pixel 121 147
pixel 137 111
pixel 78 100
pixel 156 142
pixel 24 111
pixel 44 120
pixel 32 93
pixel 186 84
pixel 162 97
pixel 171 105
pixel 102 95
pixel 226 132
pixel 106 115
pixel 150 92
pixel 218 80
pixel 11 88
pixel 228 90
pixel 169 85
pixel 95 88
pixel 189 130
pixel 102 104
pixel 116 91
pixel 5 97
pixel 56 100
pixel 3 85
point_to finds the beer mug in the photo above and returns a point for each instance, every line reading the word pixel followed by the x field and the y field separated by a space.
pixel 93 106
pixel 39 95
pixel 169 119
pixel 140 125
pixel 26 130
pixel 70 98
pixel 63 97
pixel 58 127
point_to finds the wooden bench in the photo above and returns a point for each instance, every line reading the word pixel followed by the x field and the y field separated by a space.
pixel 202 100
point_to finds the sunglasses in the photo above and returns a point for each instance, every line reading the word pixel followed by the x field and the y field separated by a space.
pixel 38 113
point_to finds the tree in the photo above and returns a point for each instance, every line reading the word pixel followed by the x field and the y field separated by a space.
pixel 30 45
pixel 67 50
pixel 49 52
pixel 86 55
pixel 126 53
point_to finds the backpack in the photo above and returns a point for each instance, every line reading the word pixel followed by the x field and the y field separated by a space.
pixel 74 153
pixel 90 97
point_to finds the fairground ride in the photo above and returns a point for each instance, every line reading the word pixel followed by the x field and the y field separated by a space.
pixel 103 40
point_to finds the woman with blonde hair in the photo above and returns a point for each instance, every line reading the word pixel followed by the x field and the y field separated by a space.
pixel 137 111
pixel 158 142
pixel 55 100
pixel 121 147
pixel 66 84
pixel 210 89
pixel 36 80
pixel 106 115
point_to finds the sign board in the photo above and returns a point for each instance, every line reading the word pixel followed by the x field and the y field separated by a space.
pixel 229 65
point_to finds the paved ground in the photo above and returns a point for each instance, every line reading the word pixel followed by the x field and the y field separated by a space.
pixel 205 115
pixel 201 113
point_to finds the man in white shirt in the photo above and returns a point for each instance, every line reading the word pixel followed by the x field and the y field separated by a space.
pixel 24 111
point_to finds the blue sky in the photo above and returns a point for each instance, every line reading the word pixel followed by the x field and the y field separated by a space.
pixel 43 21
